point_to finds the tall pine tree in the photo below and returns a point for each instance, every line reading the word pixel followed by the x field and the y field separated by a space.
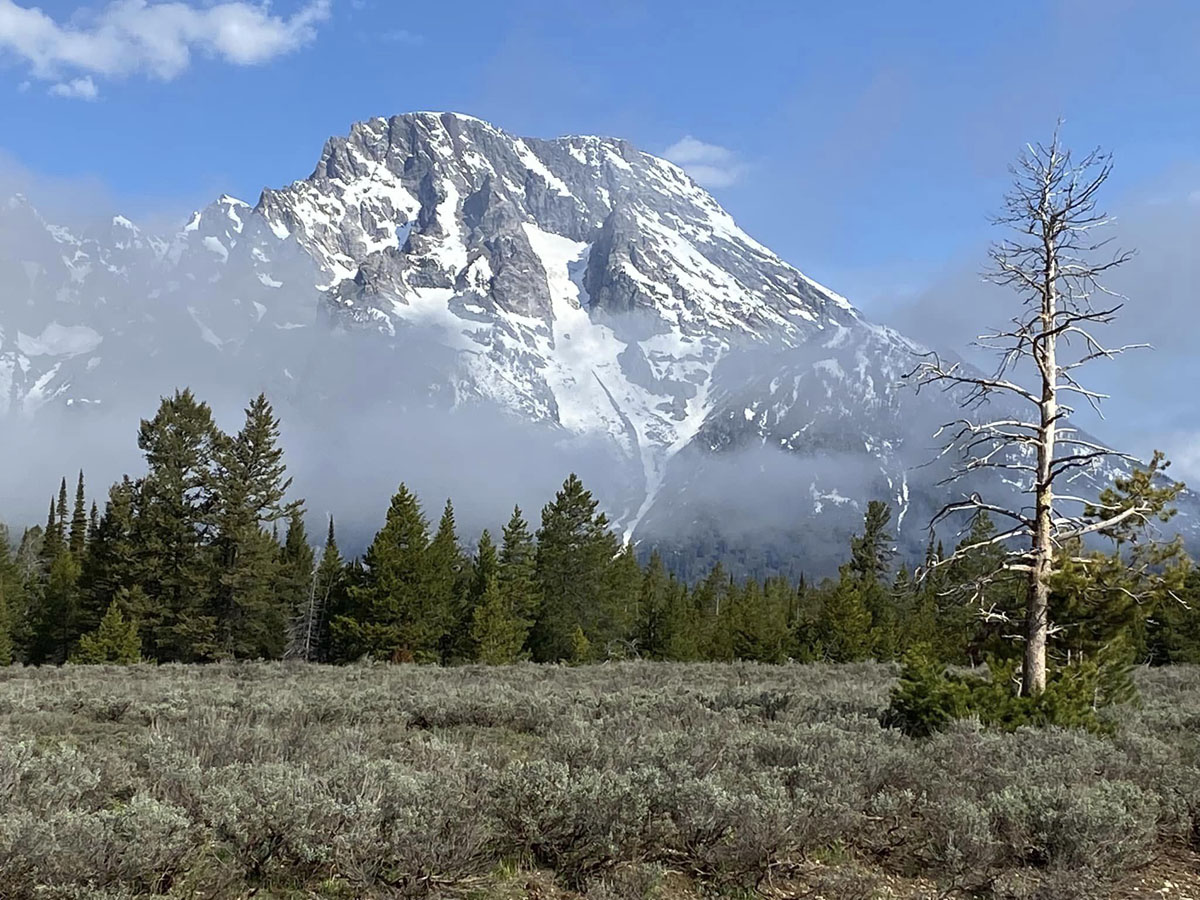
pixel 296 587
pixel 575 550
pixel 79 522
pixel 393 614
pixel 250 484
pixel 176 510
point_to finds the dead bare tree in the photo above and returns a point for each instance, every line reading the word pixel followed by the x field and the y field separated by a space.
pixel 1054 262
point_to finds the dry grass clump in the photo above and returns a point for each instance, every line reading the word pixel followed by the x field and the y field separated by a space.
pixel 626 780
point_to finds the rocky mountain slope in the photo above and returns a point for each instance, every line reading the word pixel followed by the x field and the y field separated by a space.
pixel 577 284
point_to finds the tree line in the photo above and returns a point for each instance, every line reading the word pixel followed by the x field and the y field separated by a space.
pixel 205 557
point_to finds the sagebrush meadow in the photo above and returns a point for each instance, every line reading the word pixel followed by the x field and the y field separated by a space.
pixel 624 780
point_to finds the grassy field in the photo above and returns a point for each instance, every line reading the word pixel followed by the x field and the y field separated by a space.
pixel 615 781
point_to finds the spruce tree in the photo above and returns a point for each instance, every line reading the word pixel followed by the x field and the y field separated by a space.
pixel 684 624
pixel 6 640
pixel 51 540
pixel 709 598
pixel 25 609
pixel 79 522
pixel 654 610
pixel 393 613
pixel 175 517
pixel 449 586
pixel 296 590
pixel 497 632
pixel 870 558
pixel 12 601
pixel 330 595
pixel 114 642
pixel 56 627
pixel 60 513
pixel 485 569
pixel 575 549
pixel 757 622
pixel 517 569
pixel 1173 629
pixel 113 558
pixel 1100 600
pixel 843 630
pixel 973 602
pixel 615 620
pixel 249 488
pixel 916 610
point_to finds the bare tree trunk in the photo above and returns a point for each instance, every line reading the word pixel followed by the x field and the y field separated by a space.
pixel 1037 608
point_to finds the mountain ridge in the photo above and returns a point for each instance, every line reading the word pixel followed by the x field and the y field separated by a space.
pixel 577 284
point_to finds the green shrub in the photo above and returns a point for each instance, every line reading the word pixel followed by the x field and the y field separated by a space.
pixel 115 641
pixel 928 698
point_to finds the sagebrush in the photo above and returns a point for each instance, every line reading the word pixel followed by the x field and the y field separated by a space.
pixel 406 781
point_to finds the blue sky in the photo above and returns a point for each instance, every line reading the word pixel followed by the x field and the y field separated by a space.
pixel 866 142
pixel 873 135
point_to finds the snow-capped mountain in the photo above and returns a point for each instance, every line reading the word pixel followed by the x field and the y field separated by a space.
pixel 577 283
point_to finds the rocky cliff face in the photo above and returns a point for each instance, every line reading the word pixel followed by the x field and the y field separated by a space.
pixel 578 284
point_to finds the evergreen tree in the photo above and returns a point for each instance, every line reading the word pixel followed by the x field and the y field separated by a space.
pixel 52 539
pixel 175 518
pixel 654 609
pixel 1100 601
pixel 330 595
pixel 1173 629
pixel 24 596
pixel 615 621
pixel 975 607
pixel 484 569
pixel 667 622
pixel 843 630
pixel 393 613
pixel 60 513
pixel 79 522
pixel 757 623
pixel 114 642
pixel 709 598
pixel 575 550
pixel 917 611
pixel 113 559
pixel 296 590
pixel 581 647
pixel 684 624
pixel 872 551
pixel 855 617
pixel 12 601
pixel 497 632
pixel 7 648
pixel 449 586
pixel 56 627
pixel 517 570
pixel 870 558
pixel 252 616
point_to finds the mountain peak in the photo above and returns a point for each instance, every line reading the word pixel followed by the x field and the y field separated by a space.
pixel 577 284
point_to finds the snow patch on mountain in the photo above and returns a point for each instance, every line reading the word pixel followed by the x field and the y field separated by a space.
pixel 60 340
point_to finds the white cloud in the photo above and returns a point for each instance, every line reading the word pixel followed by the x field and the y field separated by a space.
pixel 77 88
pixel 130 37
pixel 709 164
